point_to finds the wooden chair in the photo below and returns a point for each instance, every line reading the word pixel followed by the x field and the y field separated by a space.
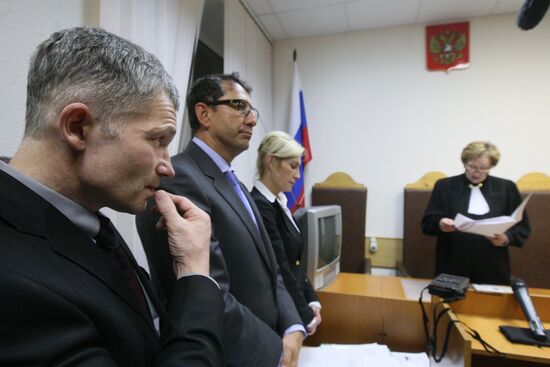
pixel 418 249
pixel 340 189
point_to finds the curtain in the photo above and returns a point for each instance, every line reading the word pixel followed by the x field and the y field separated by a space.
pixel 169 29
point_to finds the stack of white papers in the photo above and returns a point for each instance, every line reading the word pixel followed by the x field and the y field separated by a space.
pixel 492 288
pixel 361 355
pixel 491 226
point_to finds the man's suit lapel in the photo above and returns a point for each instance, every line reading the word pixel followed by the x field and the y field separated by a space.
pixel 30 213
pixel 222 185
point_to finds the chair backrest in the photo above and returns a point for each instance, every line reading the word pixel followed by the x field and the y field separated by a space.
pixel 530 262
pixel 418 249
pixel 340 189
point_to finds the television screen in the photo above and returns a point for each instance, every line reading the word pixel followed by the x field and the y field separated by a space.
pixel 329 241
pixel 321 227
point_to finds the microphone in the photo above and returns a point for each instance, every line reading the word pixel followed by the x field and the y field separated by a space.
pixel 520 290
pixel 531 13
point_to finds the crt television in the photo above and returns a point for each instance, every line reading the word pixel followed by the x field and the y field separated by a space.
pixel 321 227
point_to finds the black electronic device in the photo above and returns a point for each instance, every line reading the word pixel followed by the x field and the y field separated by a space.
pixel 531 13
pixel 449 286
pixel 520 290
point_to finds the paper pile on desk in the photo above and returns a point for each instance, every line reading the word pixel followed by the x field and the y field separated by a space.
pixel 493 288
pixel 361 355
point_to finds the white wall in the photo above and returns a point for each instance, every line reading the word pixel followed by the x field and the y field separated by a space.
pixel 377 114
pixel 247 51
pixel 23 25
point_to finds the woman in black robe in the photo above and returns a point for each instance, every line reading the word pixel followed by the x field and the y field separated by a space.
pixel 476 195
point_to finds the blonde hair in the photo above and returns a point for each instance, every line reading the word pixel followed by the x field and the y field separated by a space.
pixel 277 144
pixel 476 149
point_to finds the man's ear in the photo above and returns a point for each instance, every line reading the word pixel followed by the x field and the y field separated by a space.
pixel 76 122
pixel 201 111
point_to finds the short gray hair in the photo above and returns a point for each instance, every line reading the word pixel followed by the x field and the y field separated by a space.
pixel 109 74
pixel 476 149
pixel 278 144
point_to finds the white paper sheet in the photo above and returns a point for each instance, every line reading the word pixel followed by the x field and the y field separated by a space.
pixel 361 355
pixel 492 288
pixel 413 287
pixel 491 226
pixel 411 359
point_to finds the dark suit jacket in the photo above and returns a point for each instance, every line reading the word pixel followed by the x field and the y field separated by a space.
pixel 258 307
pixel 65 302
pixel 288 245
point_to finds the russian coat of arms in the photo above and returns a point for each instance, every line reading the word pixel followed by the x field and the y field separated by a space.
pixel 447 46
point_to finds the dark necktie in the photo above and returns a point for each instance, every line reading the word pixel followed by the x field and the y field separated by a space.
pixel 109 241
pixel 238 189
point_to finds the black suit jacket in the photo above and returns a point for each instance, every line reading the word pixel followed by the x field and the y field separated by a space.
pixel 65 302
pixel 258 308
pixel 288 245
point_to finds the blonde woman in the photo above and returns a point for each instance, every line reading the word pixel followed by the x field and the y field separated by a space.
pixel 278 165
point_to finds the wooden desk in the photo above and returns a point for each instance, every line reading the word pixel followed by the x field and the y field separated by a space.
pixel 360 308
pixel 485 313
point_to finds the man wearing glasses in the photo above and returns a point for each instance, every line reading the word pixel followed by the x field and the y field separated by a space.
pixel 477 195
pixel 261 324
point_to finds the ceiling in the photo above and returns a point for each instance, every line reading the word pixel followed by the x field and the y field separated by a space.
pixel 284 19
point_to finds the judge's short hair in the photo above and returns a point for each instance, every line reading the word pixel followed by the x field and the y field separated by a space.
pixel 476 149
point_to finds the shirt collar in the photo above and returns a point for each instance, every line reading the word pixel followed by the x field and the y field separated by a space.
pixel 262 188
pixel 76 213
pixel 259 185
pixel 280 198
pixel 218 160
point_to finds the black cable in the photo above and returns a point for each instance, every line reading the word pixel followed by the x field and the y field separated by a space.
pixel 425 322
pixel 475 334
pixel 431 339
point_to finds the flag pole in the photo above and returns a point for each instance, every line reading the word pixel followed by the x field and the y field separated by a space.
pixel 298 130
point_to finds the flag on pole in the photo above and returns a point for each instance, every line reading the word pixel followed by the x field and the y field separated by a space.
pixel 298 129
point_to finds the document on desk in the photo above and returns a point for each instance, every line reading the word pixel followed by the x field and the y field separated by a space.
pixel 491 226
pixel 362 355
pixel 493 288
pixel 413 288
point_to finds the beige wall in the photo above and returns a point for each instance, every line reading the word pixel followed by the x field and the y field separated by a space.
pixel 23 25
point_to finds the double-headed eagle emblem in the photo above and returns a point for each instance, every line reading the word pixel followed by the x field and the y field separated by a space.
pixel 446 47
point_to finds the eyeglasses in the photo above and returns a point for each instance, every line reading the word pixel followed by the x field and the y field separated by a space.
pixel 240 105
pixel 473 167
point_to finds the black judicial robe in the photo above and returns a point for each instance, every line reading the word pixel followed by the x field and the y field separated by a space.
pixel 467 254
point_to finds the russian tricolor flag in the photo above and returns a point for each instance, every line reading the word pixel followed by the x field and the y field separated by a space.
pixel 298 129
